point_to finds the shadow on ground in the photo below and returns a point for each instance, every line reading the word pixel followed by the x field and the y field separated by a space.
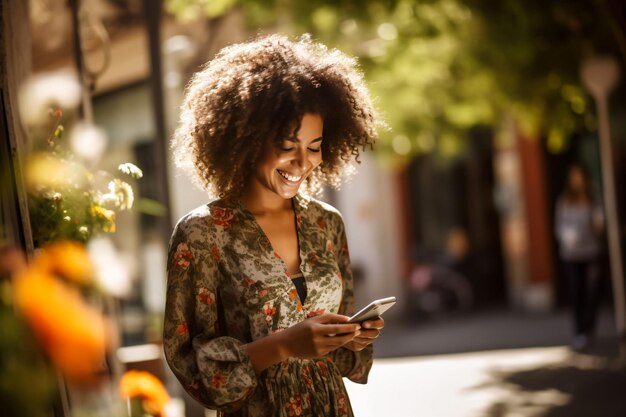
pixel 585 385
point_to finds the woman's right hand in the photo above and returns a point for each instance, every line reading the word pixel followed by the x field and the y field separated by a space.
pixel 317 336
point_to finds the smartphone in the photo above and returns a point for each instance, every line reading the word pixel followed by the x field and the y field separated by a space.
pixel 373 310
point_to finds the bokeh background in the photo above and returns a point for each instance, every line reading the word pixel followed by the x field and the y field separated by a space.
pixel 452 212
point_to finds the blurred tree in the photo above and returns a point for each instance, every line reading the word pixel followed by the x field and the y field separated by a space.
pixel 439 67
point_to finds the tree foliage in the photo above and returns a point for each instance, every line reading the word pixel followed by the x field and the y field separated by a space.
pixel 439 67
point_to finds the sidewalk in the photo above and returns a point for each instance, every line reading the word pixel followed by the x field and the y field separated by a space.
pixel 487 331
pixel 492 364
pixel 546 382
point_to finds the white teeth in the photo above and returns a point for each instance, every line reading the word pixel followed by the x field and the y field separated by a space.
pixel 292 178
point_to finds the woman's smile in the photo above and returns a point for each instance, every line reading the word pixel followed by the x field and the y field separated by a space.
pixel 291 179
pixel 285 167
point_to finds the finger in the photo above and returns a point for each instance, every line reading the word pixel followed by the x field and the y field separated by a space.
pixel 339 340
pixel 356 345
pixel 377 323
pixel 364 340
pixel 332 318
pixel 339 328
pixel 368 334
pixel 361 345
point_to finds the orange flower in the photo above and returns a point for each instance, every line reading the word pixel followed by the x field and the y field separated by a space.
pixel 206 296
pixel 144 385
pixel 306 374
pixel 269 309
pixel 223 216
pixel 183 256
pixel 294 405
pixel 182 329
pixel 299 306
pixel 292 294
pixel 247 282
pixel 73 335
pixel 317 312
pixel 67 259
pixel 218 380
pixel 215 253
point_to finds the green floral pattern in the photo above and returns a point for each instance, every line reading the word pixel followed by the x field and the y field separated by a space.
pixel 227 287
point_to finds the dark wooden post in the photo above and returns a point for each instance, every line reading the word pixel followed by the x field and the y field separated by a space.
pixel 15 66
pixel 152 13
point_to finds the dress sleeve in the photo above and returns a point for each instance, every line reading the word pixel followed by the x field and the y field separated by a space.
pixel 353 365
pixel 214 369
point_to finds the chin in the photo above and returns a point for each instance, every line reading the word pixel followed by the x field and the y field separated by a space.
pixel 285 191
pixel 288 194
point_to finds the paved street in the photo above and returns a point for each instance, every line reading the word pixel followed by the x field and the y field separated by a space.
pixel 546 382
pixel 487 331
pixel 492 364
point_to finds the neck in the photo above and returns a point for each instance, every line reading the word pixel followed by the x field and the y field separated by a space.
pixel 261 202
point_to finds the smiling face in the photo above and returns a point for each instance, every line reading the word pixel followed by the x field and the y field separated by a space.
pixel 285 168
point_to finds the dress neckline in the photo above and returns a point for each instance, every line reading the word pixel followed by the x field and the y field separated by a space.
pixel 295 203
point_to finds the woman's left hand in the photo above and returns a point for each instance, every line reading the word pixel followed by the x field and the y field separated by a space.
pixel 369 331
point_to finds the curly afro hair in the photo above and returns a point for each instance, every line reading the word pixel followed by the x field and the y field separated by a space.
pixel 254 94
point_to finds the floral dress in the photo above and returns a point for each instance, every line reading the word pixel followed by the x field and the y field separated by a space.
pixel 228 287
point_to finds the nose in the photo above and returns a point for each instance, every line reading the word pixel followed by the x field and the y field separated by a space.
pixel 300 160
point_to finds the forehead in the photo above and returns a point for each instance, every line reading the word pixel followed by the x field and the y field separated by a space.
pixel 311 128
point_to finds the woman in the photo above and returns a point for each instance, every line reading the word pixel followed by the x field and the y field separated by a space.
pixel 579 223
pixel 259 280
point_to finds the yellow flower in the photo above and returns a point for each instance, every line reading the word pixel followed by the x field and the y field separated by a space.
pixel 107 215
pixel 144 385
pixel 73 335
pixel 67 259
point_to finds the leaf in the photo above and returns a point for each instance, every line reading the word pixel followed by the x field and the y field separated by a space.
pixel 150 207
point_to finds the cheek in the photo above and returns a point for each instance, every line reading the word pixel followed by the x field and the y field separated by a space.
pixel 274 163
pixel 316 160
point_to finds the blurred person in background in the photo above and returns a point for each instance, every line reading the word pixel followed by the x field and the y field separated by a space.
pixel 579 226
pixel 259 280
pixel 440 285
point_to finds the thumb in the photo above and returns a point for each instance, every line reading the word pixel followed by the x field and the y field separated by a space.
pixel 333 318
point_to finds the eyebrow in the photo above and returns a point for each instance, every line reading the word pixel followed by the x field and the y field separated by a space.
pixel 296 140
